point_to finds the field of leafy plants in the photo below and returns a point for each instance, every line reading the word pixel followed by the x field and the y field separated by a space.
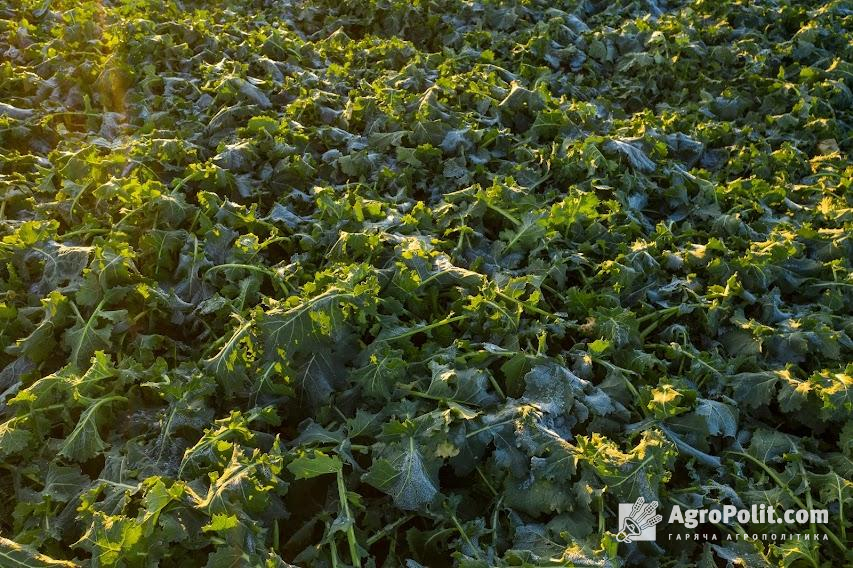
pixel 423 283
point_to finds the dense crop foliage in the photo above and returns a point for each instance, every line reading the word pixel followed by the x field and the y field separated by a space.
pixel 422 282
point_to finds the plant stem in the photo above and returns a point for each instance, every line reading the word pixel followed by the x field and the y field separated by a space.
pixel 775 477
pixel 503 212
pixel 353 543
pixel 524 304
pixel 390 527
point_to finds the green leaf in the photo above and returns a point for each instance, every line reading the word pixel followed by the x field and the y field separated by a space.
pixel 720 418
pixel 84 442
pixel 403 476
pixel 15 555
pixel 295 328
pixel 227 557
pixel 306 467
pixel 92 334
pixel 64 483
pixel 383 368
pixel 13 439
pixel 641 472
pixel 755 389
pixel 636 157
pixel 221 523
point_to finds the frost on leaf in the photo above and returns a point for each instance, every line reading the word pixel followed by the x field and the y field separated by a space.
pixel 404 476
